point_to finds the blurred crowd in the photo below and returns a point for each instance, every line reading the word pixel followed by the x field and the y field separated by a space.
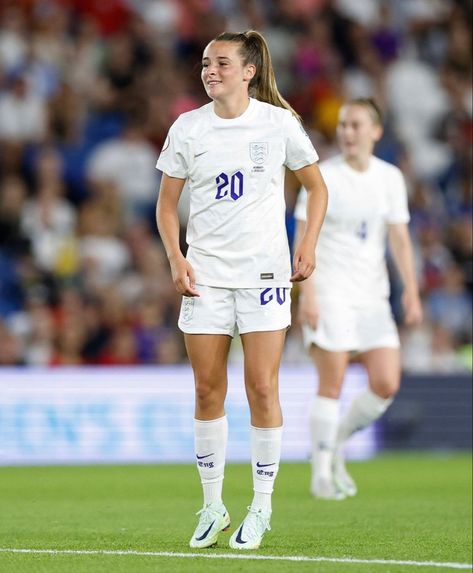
pixel 88 91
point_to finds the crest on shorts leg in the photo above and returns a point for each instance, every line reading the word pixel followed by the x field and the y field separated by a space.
pixel 259 151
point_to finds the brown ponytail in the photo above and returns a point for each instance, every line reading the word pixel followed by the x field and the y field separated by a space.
pixel 254 50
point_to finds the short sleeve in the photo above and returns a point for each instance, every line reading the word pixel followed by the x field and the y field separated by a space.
pixel 299 149
pixel 300 211
pixel 173 158
pixel 398 205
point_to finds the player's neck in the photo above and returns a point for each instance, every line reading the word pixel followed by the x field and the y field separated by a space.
pixel 231 108
pixel 359 163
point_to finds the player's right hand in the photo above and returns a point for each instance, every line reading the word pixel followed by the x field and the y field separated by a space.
pixel 308 311
pixel 183 276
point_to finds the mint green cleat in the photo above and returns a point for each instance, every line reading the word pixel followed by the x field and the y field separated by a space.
pixel 325 488
pixel 341 478
pixel 213 519
pixel 251 531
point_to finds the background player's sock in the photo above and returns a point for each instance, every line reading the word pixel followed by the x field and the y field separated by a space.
pixel 365 409
pixel 210 448
pixel 324 418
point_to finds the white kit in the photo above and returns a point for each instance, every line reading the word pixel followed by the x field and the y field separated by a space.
pixel 235 171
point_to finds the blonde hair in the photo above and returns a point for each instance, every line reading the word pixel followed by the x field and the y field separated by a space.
pixel 371 106
pixel 254 50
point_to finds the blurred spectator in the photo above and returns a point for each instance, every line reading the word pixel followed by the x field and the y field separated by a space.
pixel 12 198
pixel 121 350
pixel 10 349
pixel 48 219
pixel 13 42
pixel 128 162
pixel 449 305
pixel 103 256
pixel 23 113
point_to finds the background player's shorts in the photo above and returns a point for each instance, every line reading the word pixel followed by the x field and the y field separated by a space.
pixel 220 310
pixel 342 327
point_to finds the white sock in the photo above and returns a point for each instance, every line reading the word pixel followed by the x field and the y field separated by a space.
pixel 210 438
pixel 324 417
pixel 265 457
pixel 365 408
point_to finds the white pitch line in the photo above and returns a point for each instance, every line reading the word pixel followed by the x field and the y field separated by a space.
pixel 305 558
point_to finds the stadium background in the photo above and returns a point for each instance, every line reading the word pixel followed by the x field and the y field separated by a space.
pixel 88 91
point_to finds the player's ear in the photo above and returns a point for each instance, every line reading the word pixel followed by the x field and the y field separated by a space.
pixel 377 132
pixel 249 72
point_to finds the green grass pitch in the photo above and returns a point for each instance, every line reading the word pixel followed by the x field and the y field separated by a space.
pixel 410 507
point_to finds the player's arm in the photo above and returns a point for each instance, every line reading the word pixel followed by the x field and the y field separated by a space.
pixel 168 225
pixel 401 248
pixel 317 197
pixel 307 308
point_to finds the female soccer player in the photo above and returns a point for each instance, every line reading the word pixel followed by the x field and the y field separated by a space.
pixel 233 153
pixel 345 308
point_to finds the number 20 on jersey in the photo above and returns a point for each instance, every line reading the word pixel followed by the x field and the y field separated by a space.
pixel 229 186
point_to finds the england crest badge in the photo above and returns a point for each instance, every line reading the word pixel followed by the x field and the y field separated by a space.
pixel 259 152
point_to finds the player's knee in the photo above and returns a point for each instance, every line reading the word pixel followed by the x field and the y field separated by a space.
pixel 207 390
pixel 262 393
pixel 386 389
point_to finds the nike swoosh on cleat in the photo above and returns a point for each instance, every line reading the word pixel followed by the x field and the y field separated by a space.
pixel 238 538
pixel 204 535
pixel 258 465
pixel 199 154
pixel 202 457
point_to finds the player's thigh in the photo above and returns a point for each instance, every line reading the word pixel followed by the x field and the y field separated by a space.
pixel 331 367
pixel 383 366
pixel 262 355
pixel 208 355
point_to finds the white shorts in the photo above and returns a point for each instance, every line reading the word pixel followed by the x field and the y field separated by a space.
pixel 220 310
pixel 342 327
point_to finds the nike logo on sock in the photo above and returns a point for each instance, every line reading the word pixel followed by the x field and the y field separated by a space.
pixel 238 538
pixel 258 465
pixel 199 154
pixel 204 535
pixel 203 457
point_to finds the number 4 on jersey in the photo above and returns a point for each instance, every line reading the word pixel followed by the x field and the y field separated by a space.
pixel 362 230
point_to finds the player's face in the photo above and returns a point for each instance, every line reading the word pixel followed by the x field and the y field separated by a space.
pixel 223 73
pixel 357 132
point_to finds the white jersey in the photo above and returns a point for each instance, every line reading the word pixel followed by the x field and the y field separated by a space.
pixel 235 170
pixel 351 262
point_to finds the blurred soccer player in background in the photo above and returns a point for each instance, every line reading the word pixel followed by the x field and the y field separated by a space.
pixel 233 153
pixel 344 307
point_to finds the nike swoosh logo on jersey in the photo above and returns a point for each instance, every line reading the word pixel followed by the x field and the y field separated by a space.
pixel 204 535
pixel 203 457
pixel 258 465
pixel 199 154
pixel 238 538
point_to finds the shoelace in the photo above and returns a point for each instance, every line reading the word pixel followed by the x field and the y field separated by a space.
pixel 256 523
pixel 207 515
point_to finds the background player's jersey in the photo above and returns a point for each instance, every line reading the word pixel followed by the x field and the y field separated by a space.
pixel 235 171
pixel 352 242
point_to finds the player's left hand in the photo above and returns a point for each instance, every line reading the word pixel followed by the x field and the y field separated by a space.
pixel 304 264
pixel 413 313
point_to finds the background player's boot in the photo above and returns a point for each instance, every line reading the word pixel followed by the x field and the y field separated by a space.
pixel 341 478
pixel 324 488
pixel 213 519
